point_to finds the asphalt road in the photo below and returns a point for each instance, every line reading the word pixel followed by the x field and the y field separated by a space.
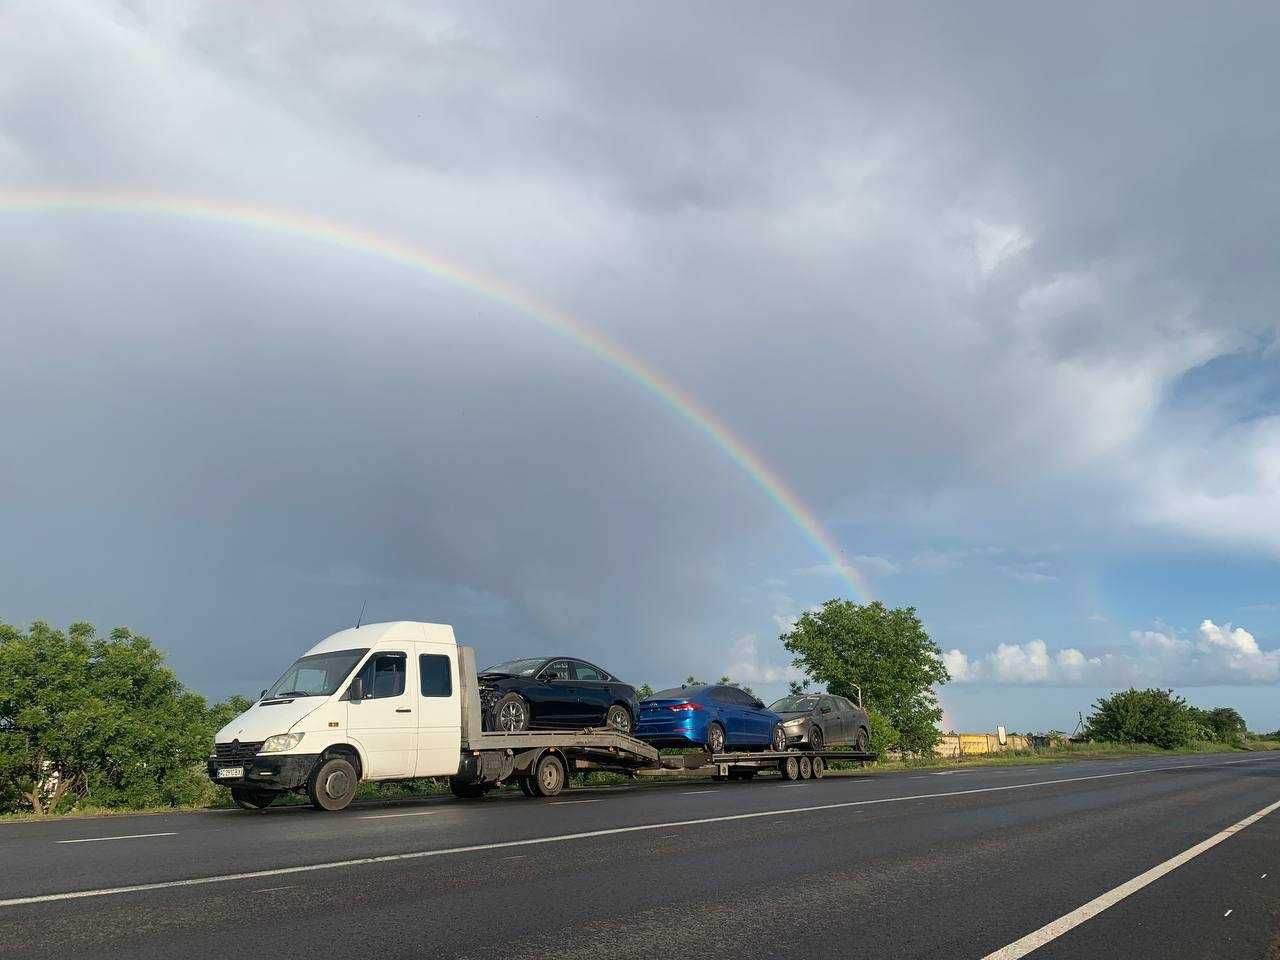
pixel 956 863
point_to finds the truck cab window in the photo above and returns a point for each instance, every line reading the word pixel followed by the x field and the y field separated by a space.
pixel 383 675
pixel 437 681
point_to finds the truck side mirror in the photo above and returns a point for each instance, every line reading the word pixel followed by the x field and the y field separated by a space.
pixel 355 692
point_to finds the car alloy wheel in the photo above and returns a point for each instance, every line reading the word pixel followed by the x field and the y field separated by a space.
pixel 815 738
pixel 511 715
pixel 715 738
pixel 619 718
pixel 779 742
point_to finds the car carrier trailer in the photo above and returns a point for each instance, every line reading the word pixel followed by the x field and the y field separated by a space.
pixel 423 718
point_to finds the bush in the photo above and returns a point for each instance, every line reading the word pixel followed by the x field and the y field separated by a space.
pixel 1157 717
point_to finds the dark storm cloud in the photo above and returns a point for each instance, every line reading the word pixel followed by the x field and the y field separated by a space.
pixel 940 265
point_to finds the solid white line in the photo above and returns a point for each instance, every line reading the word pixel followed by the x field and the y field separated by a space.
pixel 561 803
pixel 130 836
pixel 692 793
pixel 560 838
pixel 1051 931
pixel 1228 913
pixel 388 816
pixel 287 886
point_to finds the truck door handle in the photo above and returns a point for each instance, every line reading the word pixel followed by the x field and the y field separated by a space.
pixel 404 709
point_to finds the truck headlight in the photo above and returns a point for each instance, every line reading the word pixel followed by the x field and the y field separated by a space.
pixel 281 742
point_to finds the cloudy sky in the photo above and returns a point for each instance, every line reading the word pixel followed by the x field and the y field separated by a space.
pixel 993 290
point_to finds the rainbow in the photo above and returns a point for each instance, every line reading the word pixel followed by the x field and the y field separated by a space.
pixel 364 242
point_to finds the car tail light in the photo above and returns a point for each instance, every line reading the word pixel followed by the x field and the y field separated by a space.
pixel 685 707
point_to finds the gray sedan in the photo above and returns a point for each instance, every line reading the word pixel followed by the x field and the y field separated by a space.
pixel 820 721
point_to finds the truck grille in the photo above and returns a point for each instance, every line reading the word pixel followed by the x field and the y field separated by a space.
pixel 235 750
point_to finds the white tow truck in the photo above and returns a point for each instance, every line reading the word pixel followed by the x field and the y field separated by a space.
pixel 400 701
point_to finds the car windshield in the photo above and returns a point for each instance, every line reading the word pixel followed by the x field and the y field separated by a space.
pixel 517 668
pixel 676 693
pixel 318 675
pixel 794 704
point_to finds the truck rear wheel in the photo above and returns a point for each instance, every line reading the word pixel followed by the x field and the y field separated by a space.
pixel 333 784
pixel 548 775
pixel 251 799
pixel 526 786
pixel 819 768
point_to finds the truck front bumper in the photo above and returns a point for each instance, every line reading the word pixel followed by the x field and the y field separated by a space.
pixel 286 771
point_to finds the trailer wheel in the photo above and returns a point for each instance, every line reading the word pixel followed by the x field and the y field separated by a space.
pixel 715 738
pixel 790 768
pixel 819 768
pixel 548 775
pixel 806 768
pixel 252 799
pixel 333 784
pixel 511 714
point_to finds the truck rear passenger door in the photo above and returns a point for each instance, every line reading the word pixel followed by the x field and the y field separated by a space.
pixel 439 711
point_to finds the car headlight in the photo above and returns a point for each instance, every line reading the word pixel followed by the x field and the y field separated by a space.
pixel 794 724
pixel 281 742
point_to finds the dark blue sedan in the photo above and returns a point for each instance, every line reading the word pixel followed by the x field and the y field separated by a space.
pixel 713 716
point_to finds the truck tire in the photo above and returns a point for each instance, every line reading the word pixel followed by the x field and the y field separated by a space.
pixel 815 738
pixel 715 738
pixel 332 785
pixel 790 768
pixel 806 768
pixel 511 714
pixel 619 719
pixel 526 787
pixel 252 799
pixel 548 775
pixel 464 790
pixel 819 768
pixel 778 739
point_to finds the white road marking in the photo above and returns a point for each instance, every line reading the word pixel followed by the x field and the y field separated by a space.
pixel 129 836
pixel 287 886
pixel 1263 877
pixel 1227 914
pixel 388 816
pixel 1051 931
pixel 520 856
pixel 563 837
pixel 561 803
pixel 692 793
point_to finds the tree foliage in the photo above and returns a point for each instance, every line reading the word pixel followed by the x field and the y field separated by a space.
pixel 101 720
pixel 886 652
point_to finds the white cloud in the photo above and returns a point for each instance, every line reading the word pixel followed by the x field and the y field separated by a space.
pixel 863 563
pixel 1034 572
pixel 746 665
pixel 1215 655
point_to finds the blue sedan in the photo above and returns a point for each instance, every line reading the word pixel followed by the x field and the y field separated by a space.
pixel 715 717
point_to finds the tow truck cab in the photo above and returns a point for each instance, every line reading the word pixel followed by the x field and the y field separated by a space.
pixel 377 702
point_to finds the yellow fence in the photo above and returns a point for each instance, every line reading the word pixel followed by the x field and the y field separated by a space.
pixel 972 744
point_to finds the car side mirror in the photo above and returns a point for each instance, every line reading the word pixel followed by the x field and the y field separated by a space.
pixel 355 692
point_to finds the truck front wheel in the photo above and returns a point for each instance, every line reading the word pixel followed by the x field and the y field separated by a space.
pixel 333 784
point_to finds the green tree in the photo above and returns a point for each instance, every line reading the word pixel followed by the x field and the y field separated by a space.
pixel 726 682
pixel 1154 716
pixel 644 691
pixel 886 652
pixel 88 718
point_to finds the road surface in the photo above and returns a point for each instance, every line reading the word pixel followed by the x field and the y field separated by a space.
pixel 950 863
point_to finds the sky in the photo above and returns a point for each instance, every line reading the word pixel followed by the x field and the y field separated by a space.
pixel 990 291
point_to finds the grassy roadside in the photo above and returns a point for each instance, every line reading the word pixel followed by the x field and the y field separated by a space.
pixel 220 799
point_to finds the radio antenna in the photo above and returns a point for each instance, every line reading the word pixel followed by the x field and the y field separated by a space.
pixel 360 619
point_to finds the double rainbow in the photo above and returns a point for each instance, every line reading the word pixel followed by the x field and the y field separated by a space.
pixel 557 321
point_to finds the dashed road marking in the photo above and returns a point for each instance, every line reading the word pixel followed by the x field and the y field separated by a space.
pixel 388 816
pixel 127 836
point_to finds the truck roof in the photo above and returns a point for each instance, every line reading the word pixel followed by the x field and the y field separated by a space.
pixel 373 634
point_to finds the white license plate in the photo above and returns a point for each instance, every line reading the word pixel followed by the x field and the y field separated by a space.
pixel 230 773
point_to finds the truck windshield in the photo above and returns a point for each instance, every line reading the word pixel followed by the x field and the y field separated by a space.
pixel 318 675
pixel 517 668
pixel 794 704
